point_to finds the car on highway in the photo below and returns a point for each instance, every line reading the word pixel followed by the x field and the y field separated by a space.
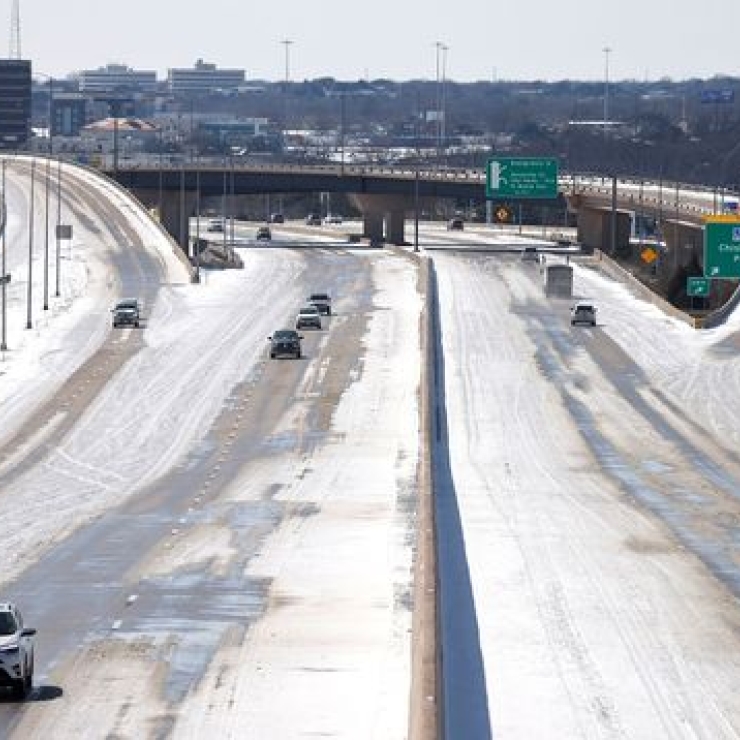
pixel 285 343
pixel 529 254
pixel 215 224
pixel 16 652
pixel 455 224
pixel 332 219
pixel 126 312
pixel 322 301
pixel 313 219
pixel 263 234
pixel 308 318
pixel 277 218
pixel 583 313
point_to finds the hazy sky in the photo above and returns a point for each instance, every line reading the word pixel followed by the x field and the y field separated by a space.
pixel 525 40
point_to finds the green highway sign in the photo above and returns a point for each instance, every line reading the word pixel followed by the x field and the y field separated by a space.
pixel 697 286
pixel 722 247
pixel 521 177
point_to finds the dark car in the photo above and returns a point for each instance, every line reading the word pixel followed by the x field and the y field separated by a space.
pixel 285 343
pixel 277 218
pixel 322 301
pixel 583 313
pixel 313 219
pixel 455 224
pixel 263 234
pixel 126 313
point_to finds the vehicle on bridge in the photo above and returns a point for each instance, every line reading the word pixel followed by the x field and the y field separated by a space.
pixel 455 224
pixel 263 234
pixel 313 219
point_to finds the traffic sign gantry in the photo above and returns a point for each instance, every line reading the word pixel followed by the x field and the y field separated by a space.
pixel 521 177
pixel 722 247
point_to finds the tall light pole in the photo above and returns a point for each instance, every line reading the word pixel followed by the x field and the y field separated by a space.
pixel 607 51
pixel 438 105
pixel 46 234
pixel 29 294
pixel 59 227
pixel 4 275
pixel 443 112
pixel 286 43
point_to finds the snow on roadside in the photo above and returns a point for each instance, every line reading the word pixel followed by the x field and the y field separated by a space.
pixel 332 654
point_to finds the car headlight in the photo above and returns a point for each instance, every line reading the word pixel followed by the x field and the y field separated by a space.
pixel 9 649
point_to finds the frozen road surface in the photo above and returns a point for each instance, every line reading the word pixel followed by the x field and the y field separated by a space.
pixel 215 544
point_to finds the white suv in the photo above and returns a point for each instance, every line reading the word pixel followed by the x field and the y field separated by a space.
pixel 16 652
pixel 308 318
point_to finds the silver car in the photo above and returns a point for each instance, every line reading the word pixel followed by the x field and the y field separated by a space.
pixel 308 318
pixel 16 652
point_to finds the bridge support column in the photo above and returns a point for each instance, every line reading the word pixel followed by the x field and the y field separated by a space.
pixel 595 229
pixel 177 207
pixel 372 225
pixel 383 215
pixel 395 222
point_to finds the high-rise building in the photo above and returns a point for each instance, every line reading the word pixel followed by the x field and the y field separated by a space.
pixel 15 103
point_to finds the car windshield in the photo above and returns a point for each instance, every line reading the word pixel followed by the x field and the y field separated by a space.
pixel 284 336
pixel 8 625
pixel 584 307
pixel 319 297
pixel 309 309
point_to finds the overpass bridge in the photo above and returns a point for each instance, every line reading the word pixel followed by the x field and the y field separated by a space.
pixel 604 208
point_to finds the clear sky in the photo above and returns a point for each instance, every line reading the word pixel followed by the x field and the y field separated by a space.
pixel 486 39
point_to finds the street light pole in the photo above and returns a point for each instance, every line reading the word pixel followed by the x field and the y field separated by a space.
pixel 46 235
pixel 29 293
pixel 59 224
pixel 286 43
pixel 4 277
pixel 607 51
pixel 443 112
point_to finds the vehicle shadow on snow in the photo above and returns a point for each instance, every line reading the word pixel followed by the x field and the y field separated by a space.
pixel 38 694
pixel 464 695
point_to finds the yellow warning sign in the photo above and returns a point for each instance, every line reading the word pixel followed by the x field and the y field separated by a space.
pixel 649 255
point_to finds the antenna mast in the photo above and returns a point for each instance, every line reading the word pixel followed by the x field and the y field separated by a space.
pixel 15 30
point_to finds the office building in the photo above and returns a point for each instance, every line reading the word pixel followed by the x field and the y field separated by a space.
pixel 15 103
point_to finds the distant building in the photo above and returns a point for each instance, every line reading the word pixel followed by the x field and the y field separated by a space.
pixel 204 78
pixel 68 114
pixel 128 135
pixel 15 103
pixel 117 78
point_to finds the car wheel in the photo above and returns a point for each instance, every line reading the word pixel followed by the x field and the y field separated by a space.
pixel 272 356
pixel 19 689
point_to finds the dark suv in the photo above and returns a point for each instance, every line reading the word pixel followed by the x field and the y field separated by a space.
pixel 285 343
pixel 126 313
